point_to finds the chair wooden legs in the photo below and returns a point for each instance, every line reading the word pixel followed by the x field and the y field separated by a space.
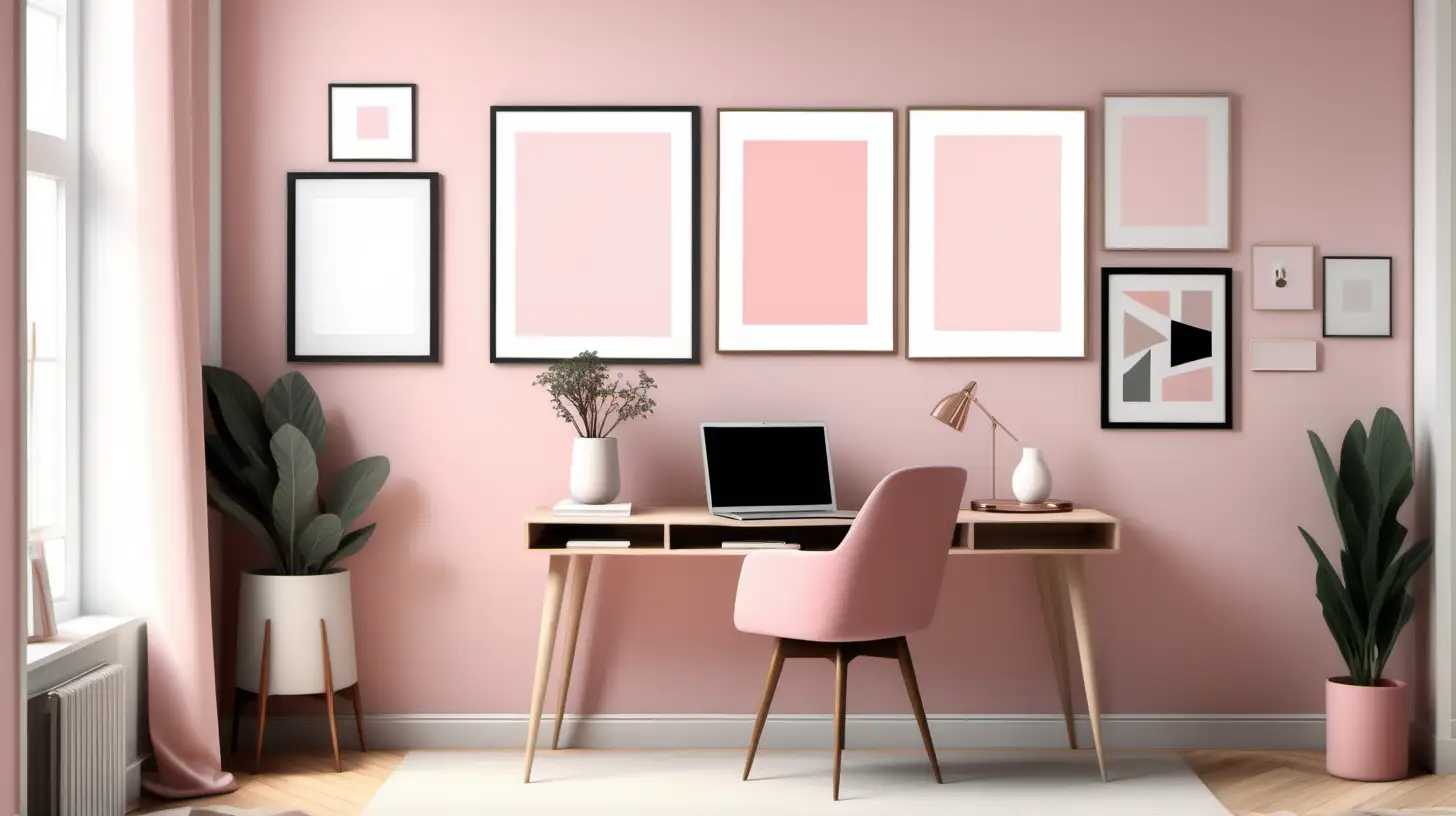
pixel 841 678
pixel 775 668
pixel 912 688
pixel 842 653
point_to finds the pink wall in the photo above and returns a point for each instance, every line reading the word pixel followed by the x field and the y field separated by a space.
pixel 12 618
pixel 1211 609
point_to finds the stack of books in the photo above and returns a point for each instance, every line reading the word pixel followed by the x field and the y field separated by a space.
pixel 567 508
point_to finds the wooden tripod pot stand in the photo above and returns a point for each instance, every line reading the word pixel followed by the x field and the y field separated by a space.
pixel 242 697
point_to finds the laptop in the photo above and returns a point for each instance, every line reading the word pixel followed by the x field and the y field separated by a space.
pixel 769 470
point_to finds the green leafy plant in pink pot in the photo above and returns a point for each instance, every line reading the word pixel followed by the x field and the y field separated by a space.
pixel 1367 601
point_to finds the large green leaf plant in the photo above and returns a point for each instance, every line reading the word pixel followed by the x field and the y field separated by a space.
pixel 262 472
pixel 1367 608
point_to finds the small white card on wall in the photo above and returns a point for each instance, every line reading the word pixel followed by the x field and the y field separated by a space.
pixel 1283 355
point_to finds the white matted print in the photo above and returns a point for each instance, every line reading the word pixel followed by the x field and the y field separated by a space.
pixel 997 233
pixel 1357 296
pixel 372 122
pixel 363 267
pixel 806 230
pixel 1283 355
pixel 1167 348
pixel 1166 163
pixel 595 233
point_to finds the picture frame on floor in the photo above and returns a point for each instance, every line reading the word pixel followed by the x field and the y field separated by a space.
pixel 1167 348
pixel 363 267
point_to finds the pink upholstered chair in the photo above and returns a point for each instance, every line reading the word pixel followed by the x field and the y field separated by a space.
pixel 861 599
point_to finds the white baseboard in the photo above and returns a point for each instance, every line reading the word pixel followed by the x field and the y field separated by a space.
pixel 134 780
pixel 686 731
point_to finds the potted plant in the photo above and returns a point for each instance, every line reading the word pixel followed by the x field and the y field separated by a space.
pixel 262 472
pixel 584 393
pixel 1366 720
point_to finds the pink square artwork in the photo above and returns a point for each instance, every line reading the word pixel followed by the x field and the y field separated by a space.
pixel 998 233
pixel 1165 171
pixel 593 234
pixel 1293 266
pixel 805 233
pixel 371 122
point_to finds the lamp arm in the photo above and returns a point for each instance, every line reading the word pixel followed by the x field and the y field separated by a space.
pixel 994 420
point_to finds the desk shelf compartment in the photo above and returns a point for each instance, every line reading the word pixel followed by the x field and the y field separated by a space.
pixel 554 535
pixel 712 536
pixel 1043 536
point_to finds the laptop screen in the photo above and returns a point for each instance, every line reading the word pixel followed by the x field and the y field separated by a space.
pixel 768 465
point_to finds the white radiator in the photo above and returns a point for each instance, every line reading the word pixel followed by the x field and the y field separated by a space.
pixel 87 739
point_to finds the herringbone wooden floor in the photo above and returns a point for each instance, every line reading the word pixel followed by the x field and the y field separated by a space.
pixel 1247 782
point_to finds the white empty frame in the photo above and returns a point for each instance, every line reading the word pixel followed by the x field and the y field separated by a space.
pixel 1283 355
pixel 363 267
pixel 1166 162
pixel 806 230
pixel 997 233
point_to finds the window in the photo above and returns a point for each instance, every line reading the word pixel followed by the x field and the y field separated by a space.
pixel 52 208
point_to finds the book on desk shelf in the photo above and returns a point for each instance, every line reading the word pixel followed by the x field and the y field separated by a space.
pixel 567 507
pixel 599 544
pixel 759 545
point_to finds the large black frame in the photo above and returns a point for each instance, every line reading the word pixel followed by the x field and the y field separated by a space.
pixel 697 225
pixel 414 118
pixel 433 356
pixel 1228 309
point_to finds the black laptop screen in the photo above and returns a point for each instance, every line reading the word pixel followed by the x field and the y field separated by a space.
pixel 767 466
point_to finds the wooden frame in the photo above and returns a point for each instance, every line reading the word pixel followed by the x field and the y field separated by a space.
pixel 1388 294
pixel 1180 414
pixel 1215 235
pixel 1008 333
pixel 1057 543
pixel 878 130
pixel 414 120
pixel 682 343
pixel 431 335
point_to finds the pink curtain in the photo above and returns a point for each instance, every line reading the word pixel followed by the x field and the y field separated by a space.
pixel 172 229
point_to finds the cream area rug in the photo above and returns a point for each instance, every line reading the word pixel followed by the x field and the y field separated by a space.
pixel 446 783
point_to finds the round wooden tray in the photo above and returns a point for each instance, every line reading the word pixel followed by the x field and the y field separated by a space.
pixel 1014 506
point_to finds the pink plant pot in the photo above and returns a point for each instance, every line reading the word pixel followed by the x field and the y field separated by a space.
pixel 1366 730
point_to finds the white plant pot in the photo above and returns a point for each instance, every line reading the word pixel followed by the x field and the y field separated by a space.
pixel 1031 482
pixel 294 604
pixel 595 476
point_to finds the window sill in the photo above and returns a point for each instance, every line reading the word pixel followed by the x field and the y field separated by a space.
pixel 73 636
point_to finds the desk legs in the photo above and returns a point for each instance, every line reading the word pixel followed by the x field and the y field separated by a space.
pixel 550 614
pixel 1075 586
pixel 580 574
pixel 1050 589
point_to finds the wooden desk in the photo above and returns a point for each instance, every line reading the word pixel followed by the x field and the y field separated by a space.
pixel 1056 543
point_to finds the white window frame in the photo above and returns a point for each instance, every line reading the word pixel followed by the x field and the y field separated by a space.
pixel 61 158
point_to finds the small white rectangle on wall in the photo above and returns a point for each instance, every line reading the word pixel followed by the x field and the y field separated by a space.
pixel 1283 355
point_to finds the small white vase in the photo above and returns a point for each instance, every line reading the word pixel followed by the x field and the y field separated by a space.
pixel 292 606
pixel 595 476
pixel 1031 482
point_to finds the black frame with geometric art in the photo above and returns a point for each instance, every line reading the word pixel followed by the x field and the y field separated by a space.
pixel 1168 325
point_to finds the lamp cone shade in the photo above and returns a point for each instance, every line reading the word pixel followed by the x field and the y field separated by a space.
pixel 955 408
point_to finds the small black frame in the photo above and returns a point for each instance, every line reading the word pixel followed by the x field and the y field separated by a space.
pixel 1389 294
pixel 414 118
pixel 1228 352
pixel 433 356
pixel 697 226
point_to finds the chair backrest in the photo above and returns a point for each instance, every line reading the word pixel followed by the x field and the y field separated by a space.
pixel 895 552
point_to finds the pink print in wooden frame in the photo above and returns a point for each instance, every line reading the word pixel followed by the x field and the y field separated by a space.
pixel 1166 172
pixel 997 233
pixel 806 230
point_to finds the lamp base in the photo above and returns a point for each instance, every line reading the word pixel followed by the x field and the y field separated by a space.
pixel 1014 506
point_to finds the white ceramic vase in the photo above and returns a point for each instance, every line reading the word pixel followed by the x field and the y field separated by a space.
pixel 1031 482
pixel 292 606
pixel 595 476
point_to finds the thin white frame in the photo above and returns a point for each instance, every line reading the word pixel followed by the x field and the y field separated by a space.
pixel 1217 235
pixel 875 127
pixel 1311 346
pixel 923 340
pixel 680 123
pixel 306 295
